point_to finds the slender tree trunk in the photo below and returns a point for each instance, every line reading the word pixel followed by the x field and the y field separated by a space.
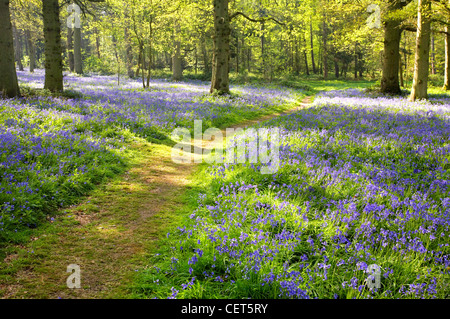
pixel 17 47
pixel 402 84
pixel 263 50
pixel 195 60
pixel 360 67
pixel 433 56
pixel 312 48
pixel 78 64
pixel 70 49
pixel 447 59
pixel 129 54
pixel 296 59
pixel 237 52
pixel 421 62
pixel 143 64
pixel 97 43
pixel 9 86
pixel 31 51
pixel 336 67
pixel 305 55
pixel 356 61
pixel 177 69
pixel 325 51
pixel 53 54
pixel 221 53
pixel 206 67
pixel 139 63
pixel 150 57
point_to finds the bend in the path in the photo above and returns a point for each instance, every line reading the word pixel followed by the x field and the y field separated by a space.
pixel 111 233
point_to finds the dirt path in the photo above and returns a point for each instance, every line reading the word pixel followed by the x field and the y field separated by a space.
pixel 109 235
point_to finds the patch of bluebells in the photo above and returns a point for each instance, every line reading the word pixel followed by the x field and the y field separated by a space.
pixel 362 180
pixel 54 149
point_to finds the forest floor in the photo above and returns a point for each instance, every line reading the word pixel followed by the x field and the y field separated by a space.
pixel 111 233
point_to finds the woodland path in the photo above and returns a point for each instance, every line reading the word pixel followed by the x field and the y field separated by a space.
pixel 110 234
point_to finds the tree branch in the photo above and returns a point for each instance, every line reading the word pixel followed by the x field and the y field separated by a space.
pixel 234 15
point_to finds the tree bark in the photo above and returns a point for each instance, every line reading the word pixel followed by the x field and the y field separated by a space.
pixel 129 54
pixel 206 67
pixel 78 64
pixel 312 48
pixel 221 52
pixel 17 47
pixel 150 56
pixel 325 50
pixel 305 55
pixel 31 51
pixel 9 86
pixel 421 62
pixel 433 55
pixel 53 52
pixel 447 60
pixel 177 69
pixel 402 84
pixel 356 61
pixel 70 49
pixel 392 37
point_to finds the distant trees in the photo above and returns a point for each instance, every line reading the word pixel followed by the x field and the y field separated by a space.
pixel 215 38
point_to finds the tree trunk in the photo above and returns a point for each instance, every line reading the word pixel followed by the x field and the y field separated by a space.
pixel 221 53
pixel 296 59
pixel 447 60
pixel 433 55
pixel 402 84
pixel 392 36
pixel 139 63
pixel 53 54
pixel 31 51
pixel 129 54
pixel 9 86
pixel 78 65
pixel 391 57
pixel 305 55
pixel 325 51
pixel 177 69
pixel 143 63
pixel 70 49
pixel 336 67
pixel 206 68
pixel 356 61
pixel 150 57
pixel 17 47
pixel 313 64
pixel 263 50
pixel 421 62
pixel 237 52
pixel 97 43
pixel 360 66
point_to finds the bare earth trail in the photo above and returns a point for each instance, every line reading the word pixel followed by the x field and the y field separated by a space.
pixel 109 235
